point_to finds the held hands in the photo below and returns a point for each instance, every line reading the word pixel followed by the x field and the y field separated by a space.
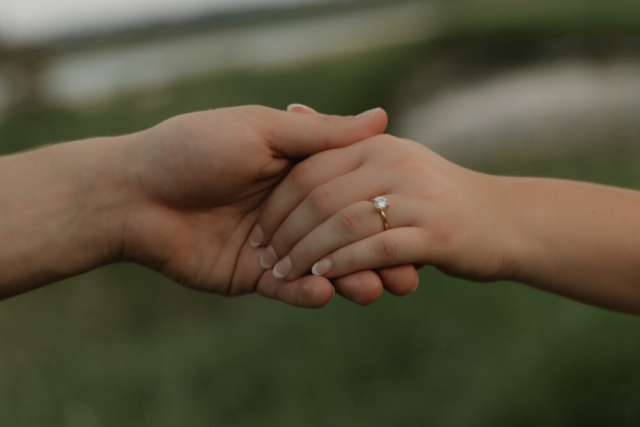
pixel 201 181
pixel 251 199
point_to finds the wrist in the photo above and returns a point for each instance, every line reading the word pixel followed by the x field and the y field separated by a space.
pixel 512 240
pixel 105 192
pixel 133 232
pixel 530 242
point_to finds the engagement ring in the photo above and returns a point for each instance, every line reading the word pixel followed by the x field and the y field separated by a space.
pixel 381 203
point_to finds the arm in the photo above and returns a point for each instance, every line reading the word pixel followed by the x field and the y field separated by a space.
pixel 575 239
pixel 61 212
pixel 180 198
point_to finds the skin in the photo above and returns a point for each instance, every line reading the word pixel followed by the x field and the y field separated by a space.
pixel 180 198
pixel 574 239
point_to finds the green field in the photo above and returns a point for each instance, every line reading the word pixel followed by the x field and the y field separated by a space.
pixel 122 346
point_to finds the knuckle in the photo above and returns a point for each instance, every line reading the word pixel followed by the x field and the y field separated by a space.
pixel 251 114
pixel 282 243
pixel 410 165
pixel 380 144
pixel 443 236
pixel 299 175
pixel 256 111
pixel 302 253
pixel 385 140
pixel 268 220
pixel 349 260
pixel 386 248
pixel 349 222
pixel 319 199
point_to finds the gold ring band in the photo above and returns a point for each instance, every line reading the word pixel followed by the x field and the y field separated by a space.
pixel 384 220
pixel 381 203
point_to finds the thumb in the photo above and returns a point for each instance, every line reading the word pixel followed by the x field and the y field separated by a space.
pixel 302 135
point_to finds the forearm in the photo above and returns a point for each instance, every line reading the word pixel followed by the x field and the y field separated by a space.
pixel 61 212
pixel 576 239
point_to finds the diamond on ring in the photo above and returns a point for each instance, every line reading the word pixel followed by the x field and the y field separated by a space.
pixel 381 203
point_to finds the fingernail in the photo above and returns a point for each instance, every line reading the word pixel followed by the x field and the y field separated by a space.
pixel 268 258
pixel 283 268
pixel 294 107
pixel 256 237
pixel 417 283
pixel 368 114
pixel 322 268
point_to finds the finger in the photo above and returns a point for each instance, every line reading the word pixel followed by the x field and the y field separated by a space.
pixel 393 247
pixel 353 223
pixel 303 178
pixel 307 292
pixel 306 177
pixel 399 281
pixel 301 135
pixel 324 202
pixel 363 288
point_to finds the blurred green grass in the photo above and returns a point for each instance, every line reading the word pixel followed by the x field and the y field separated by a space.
pixel 123 346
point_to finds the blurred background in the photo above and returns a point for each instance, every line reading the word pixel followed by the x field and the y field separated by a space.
pixel 541 88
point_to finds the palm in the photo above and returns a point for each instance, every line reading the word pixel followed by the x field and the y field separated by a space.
pixel 205 190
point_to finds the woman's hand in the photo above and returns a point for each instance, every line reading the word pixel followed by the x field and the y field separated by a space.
pixel 201 180
pixel 321 218
pixel 575 239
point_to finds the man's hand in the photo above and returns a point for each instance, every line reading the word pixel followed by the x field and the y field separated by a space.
pixel 200 182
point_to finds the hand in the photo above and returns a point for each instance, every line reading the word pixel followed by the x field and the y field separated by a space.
pixel 440 214
pixel 201 180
